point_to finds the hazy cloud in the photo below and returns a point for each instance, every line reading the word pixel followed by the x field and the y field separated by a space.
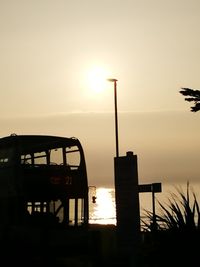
pixel 166 143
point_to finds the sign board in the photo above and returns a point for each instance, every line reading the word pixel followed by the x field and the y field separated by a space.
pixel 155 187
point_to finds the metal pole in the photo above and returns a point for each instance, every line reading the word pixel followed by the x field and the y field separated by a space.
pixel 116 119
pixel 153 210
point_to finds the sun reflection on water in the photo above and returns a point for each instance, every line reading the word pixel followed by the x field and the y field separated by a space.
pixel 103 211
pixel 102 208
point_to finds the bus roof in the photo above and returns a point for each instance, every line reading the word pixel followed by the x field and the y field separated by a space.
pixel 37 142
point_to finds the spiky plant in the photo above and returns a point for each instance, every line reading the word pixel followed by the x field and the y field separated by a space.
pixel 177 236
pixel 180 213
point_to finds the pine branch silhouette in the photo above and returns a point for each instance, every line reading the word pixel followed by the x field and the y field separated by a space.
pixel 192 96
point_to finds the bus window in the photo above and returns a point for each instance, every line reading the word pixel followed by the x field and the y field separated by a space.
pixel 36 207
pixel 56 156
pixel 73 157
pixel 3 160
pixel 80 211
pixel 72 211
pixel 6 156
pixel 76 211
pixel 56 208
pixel 40 158
pixel 26 159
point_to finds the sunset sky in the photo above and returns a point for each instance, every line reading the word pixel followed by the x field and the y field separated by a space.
pixel 52 53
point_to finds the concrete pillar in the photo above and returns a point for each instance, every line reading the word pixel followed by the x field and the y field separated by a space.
pixel 127 201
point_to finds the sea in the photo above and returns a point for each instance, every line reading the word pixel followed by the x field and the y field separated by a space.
pixel 102 208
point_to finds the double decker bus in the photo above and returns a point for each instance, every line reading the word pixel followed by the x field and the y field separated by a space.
pixel 43 180
pixel 44 204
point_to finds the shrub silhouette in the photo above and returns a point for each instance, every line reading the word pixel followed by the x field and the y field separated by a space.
pixel 176 240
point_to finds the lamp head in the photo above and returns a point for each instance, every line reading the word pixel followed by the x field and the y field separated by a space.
pixel 112 80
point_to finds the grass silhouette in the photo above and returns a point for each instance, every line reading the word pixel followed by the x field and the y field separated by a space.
pixel 181 213
pixel 176 239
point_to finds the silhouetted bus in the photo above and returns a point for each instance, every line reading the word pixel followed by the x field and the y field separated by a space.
pixel 43 179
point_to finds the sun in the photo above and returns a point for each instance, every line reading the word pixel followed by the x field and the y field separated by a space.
pixel 97 78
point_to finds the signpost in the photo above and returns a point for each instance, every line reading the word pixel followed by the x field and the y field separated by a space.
pixel 154 188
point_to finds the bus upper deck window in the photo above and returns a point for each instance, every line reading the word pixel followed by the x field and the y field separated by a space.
pixel 40 158
pixel 26 159
pixel 6 156
pixel 3 160
pixel 73 156
pixel 56 156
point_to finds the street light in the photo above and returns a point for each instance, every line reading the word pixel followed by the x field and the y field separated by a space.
pixel 116 120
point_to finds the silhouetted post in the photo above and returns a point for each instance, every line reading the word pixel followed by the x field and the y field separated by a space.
pixel 127 202
pixel 153 210
pixel 116 119
pixel 156 187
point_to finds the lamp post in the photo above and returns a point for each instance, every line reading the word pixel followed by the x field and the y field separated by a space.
pixel 116 119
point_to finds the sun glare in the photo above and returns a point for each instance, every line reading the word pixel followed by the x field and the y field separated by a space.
pixel 96 79
pixel 103 212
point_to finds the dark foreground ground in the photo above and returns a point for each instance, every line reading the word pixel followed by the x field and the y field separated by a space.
pixel 95 246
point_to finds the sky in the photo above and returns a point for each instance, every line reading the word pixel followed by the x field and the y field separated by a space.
pixel 50 51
